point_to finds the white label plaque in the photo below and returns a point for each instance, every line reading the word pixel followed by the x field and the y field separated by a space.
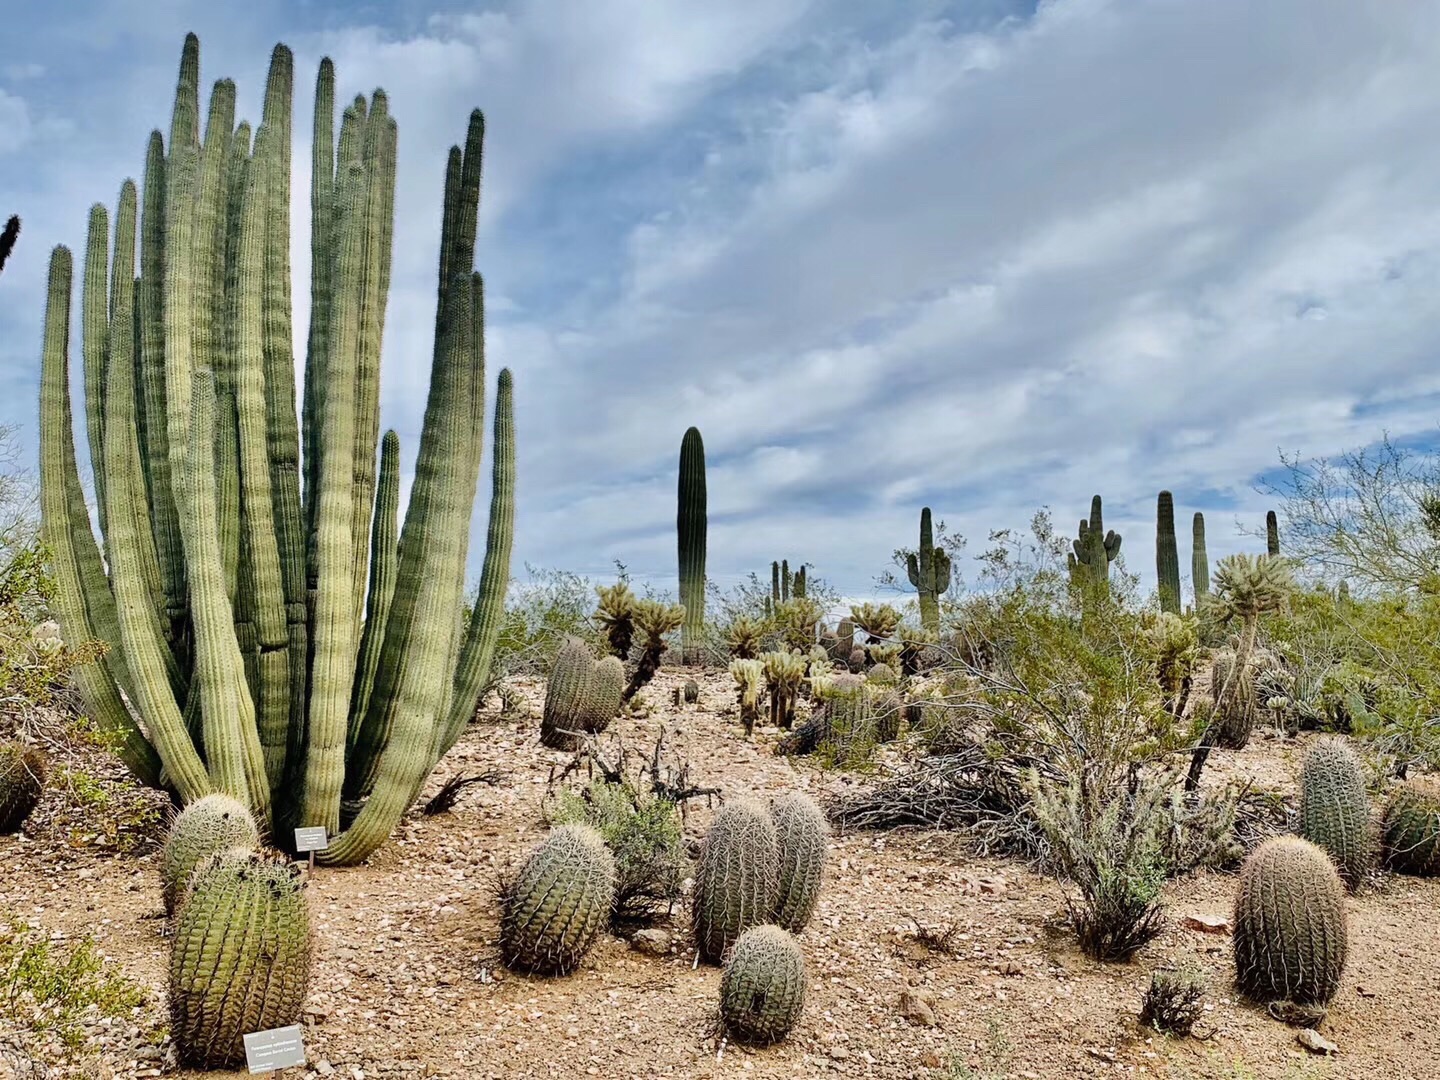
pixel 266 1051
pixel 311 839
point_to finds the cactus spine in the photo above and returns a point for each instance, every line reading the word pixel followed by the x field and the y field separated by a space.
pixel 205 828
pixel 1290 930
pixel 244 923
pixel 280 646
pixel 929 571
pixel 1167 554
pixel 1272 533
pixel 762 991
pixel 690 527
pixel 802 833
pixel 737 879
pixel 1199 560
pixel 1412 829
pixel 558 902
pixel 1094 551
pixel 1335 807
pixel 22 781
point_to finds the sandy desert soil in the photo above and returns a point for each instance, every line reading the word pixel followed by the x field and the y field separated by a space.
pixel 408 983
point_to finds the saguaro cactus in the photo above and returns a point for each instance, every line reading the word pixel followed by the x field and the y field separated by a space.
pixel 8 236
pixel 1199 560
pixel 929 571
pixel 1167 554
pixel 280 646
pixel 1095 550
pixel 690 526
pixel 1272 533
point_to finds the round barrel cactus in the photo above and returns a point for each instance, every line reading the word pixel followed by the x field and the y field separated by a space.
pixel 22 779
pixel 737 879
pixel 600 702
pixel 241 956
pixel 564 695
pixel 762 991
pixel 558 902
pixel 1335 807
pixel 1412 829
pixel 802 832
pixel 207 826
pixel 1290 929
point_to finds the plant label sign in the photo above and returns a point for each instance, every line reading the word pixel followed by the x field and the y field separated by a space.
pixel 312 839
pixel 266 1051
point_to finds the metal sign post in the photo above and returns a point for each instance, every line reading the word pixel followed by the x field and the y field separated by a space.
pixel 311 840
pixel 278 1048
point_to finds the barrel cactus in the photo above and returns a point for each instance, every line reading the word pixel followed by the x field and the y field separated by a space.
pixel 802 833
pixel 558 902
pixel 737 880
pixel 1335 807
pixel 243 923
pixel 565 695
pixel 762 990
pixel 287 645
pixel 22 780
pixel 205 828
pixel 1412 828
pixel 1290 927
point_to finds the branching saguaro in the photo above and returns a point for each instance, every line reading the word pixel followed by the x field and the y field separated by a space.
pixel 296 650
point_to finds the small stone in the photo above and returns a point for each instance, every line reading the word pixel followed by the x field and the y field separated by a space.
pixel 1207 924
pixel 651 942
pixel 1316 1043
pixel 839 1053
pixel 918 1006
pixel 931 1060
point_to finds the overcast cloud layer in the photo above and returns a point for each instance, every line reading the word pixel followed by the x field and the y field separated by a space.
pixel 987 258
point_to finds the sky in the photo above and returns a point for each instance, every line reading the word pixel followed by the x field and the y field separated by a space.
pixel 978 255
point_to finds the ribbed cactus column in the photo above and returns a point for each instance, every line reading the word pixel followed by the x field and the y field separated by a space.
pixel 1167 554
pixel 1094 550
pixel 286 647
pixel 1199 560
pixel 690 528
pixel 929 572
pixel 1272 533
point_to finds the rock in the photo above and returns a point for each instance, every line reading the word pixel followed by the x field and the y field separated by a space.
pixel 839 1053
pixel 1316 1043
pixel 651 942
pixel 931 1060
pixel 918 1006
pixel 1207 924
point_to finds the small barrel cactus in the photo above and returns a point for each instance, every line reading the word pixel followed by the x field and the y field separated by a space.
pixel 22 779
pixel 762 991
pixel 558 902
pixel 737 879
pixel 206 827
pixel 692 691
pixel 1335 807
pixel 600 702
pixel 802 832
pixel 1290 929
pixel 243 926
pixel 564 693
pixel 1412 829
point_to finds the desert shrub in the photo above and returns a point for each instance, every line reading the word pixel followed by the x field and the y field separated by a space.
pixel 1174 999
pixel 539 614
pixel 642 831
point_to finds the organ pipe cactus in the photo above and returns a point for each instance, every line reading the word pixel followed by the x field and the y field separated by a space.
pixel 1199 559
pixel 929 571
pixel 690 527
pixel 1095 550
pixel 290 648
pixel 1167 554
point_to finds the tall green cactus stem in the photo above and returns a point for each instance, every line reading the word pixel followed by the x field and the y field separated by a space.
pixel 1095 550
pixel 205 828
pixel 1272 533
pixel 690 521
pixel 737 879
pixel 802 834
pixel 1167 554
pixel 929 571
pixel 762 991
pixel 243 925
pixel 8 236
pixel 1199 559
pixel 1290 929
pixel 785 580
pixel 774 585
pixel 558 902
pixel 1335 808
pixel 231 601
pixel 798 585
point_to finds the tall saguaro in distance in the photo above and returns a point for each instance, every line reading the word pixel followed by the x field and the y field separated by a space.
pixel 1199 559
pixel 690 525
pixel 929 571
pixel 1167 554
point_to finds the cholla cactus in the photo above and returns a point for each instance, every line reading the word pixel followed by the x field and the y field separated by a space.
pixel 655 620
pixel 749 676
pixel 1175 645
pixel 616 616
pixel 784 672
pixel 742 637
pixel 879 621
pixel 797 620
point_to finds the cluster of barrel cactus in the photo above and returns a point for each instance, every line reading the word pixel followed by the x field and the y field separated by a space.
pixel 22 781
pixel 290 648
pixel 558 902
pixel 203 829
pixel 582 695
